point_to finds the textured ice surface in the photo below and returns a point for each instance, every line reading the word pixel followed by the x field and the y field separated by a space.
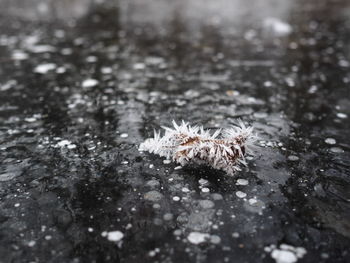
pixel 69 175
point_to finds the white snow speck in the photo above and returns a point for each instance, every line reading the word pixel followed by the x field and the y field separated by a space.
pixel 330 141
pixel 283 256
pixel 286 253
pixel 166 161
pixel 235 235
pixel 341 115
pixel 17 204
pixel 139 66
pixel 241 194
pixel 44 68
pixel 61 70
pixel 8 85
pixel 19 55
pixel 66 51
pixel 293 158
pixel 31 243
pixel 215 239
pixel 176 198
pixel 42 49
pixel 124 135
pixel 343 63
pixel 290 82
pixel 205 190
pixel 242 182
pixel 203 181
pixel 197 237
pixel 154 60
pixel 312 89
pixel 336 150
pixel 30 119
pixel 89 83
pixel 152 253
pixel 63 143
pixel 185 190
pixel 106 70
pixel 91 59
pixel 267 83
pixel 71 146
pixel 252 201
pixel 177 232
pixel 115 236
pixel 277 26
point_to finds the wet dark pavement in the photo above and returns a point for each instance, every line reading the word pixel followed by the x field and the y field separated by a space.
pixel 83 83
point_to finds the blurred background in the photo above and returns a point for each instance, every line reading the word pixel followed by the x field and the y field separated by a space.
pixel 84 82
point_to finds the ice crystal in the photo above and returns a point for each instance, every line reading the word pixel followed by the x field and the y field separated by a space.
pixel 224 149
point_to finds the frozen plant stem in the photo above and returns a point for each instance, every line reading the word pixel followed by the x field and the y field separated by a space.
pixel 224 150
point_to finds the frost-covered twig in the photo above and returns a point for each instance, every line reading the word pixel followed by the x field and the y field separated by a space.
pixel 223 150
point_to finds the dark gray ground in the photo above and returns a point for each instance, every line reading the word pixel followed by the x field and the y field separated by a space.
pixel 77 76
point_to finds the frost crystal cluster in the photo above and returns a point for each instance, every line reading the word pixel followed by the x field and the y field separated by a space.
pixel 224 149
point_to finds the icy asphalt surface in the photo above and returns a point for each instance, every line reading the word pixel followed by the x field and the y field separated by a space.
pixel 83 83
